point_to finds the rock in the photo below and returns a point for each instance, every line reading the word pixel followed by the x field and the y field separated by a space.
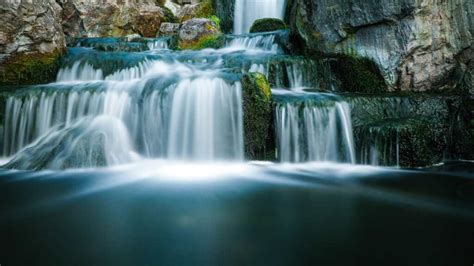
pixel 31 42
pixel 257 107
pixel 414 43
pixel 169 29
pixel 422 129
pixel 356 74
pixel 268 24
pixel 204 9
pixel 132 37
pixel 200 33
pixel 224 10
pixel 113 18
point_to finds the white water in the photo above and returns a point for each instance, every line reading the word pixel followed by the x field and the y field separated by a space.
pixel 255 43
pixel 199 117
pixel 314 131
pixel 247 11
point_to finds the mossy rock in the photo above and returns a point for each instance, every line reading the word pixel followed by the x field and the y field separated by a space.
pixel 268 24
pixel 257 108
pixel 205 9
pixel 213 41
pixel 30 68
pixel 357 74
pixel 200 33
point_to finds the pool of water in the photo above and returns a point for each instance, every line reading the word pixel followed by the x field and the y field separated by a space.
pixel 172 213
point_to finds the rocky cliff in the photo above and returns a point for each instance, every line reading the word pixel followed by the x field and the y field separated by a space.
pixel 418 45
pixel 31 41
pixel 96 18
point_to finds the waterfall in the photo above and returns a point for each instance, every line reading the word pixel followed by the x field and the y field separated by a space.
pixel 158 44
pixel 247 11
pixel 313 129
pixel 257 42
pixel 155 109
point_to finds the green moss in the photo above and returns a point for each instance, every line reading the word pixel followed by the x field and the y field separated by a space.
pixel 169 16
pixel 358 74
pixel 258 133
pixel 205 9
pixel 26 69
pixel 268 24
pixel 212 41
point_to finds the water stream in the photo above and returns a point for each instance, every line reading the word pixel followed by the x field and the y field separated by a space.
pixel 247 11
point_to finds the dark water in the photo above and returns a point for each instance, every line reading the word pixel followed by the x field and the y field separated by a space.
pixel 159 213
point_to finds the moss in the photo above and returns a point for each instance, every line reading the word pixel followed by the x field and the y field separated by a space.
pixel 268 24
pixel 205 9
pixel 27 68
pixel 257 116
pixel 358 74
pixel 169 16
pixel 212 41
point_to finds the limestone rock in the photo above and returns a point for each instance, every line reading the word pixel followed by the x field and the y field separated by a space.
pixel 200 33
pixel 113 18
pixel 169 29
pixel 414 43
pixel 31 41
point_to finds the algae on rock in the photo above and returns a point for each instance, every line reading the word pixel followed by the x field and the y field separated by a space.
pixel 257 107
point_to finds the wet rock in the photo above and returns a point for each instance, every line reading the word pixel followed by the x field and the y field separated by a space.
pixel 408 130
pixel 31 41
pixel 224 10
pixel 268 24
pixel 414 43
pixel 258 133
pixel 200 33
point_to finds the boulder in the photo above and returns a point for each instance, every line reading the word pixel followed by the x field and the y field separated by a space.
pixel 113 19
pixel 415 44
pixel 31 41
pixel 200 33
pixel 268 24
pixel 203 9
pixel 257 107
pixel 169 29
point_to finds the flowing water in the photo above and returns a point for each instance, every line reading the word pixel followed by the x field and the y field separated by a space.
pixel 151 142
pixel 170 213
pixel 247 11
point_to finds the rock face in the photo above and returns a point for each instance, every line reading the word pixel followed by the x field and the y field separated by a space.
pixel 225 11
pixel 199 33
pixel 257 107
pixel 31 41
pixel 409 130
pixel 415 43
pixel 113 18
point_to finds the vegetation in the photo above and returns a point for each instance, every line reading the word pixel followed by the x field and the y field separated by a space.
pixel 26 68
pixel 268 24
pixel 358 74
pixel 257 107
pixel 211 41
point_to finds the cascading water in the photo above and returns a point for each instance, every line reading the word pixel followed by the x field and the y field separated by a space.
pixel 119 106
pixel 247 11
pixel 154 112
pixel 313 127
